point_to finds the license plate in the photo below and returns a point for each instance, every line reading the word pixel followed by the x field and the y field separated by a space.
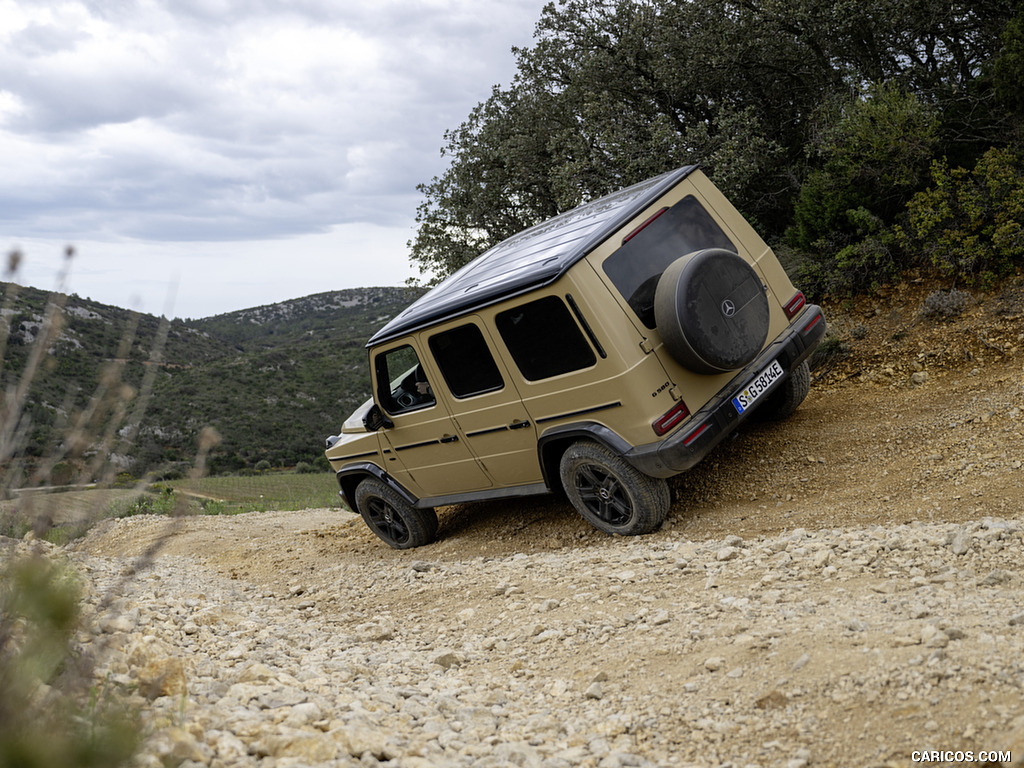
pixel 758 387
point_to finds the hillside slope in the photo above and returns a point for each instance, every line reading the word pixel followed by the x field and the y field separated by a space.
pixel 272 380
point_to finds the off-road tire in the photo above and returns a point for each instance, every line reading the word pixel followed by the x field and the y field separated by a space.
pixel 712 311
pixel 396 522
pixel 781 403
pixel 611 494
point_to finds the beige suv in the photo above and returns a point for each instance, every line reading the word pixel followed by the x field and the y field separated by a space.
pixel 597 354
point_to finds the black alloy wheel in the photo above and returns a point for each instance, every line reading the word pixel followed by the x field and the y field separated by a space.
pixel 396 522
pixel 610 493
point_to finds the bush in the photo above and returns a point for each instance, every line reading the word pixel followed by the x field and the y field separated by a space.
pixel 945 304
pixel 124 480
pixel 969 223
pixel 51 713
pixel 831 350
pixel 163 503
pixel 263 465
pixel 875 151
pixel 874 154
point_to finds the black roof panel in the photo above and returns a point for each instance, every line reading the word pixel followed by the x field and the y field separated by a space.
pixel 534 257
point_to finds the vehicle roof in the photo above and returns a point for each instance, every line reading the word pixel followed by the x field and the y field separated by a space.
pixel 535 257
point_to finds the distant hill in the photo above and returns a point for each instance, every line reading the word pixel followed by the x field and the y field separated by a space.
pixel 273 381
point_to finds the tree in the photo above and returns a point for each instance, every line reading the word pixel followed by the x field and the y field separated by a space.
pixel 875 152
pixel 614 91
pixel 1008 68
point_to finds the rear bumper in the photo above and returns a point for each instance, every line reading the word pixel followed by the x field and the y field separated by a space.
pixel 719 417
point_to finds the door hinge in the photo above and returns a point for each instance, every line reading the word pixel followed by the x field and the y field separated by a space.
pixel 646 346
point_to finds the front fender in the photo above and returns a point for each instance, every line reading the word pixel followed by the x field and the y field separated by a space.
pixel 351 475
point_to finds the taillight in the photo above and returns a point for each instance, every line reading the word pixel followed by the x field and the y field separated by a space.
pixel 672 418
pixel 639 229
pixel 794 305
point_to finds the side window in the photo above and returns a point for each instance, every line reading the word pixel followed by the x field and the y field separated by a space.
pixel 636 267
pixel 465 361
pixel 401 383
pixel 543 339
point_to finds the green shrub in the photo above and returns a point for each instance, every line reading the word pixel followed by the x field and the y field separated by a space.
pixel 213 507
pixel 831 350
pixel 161 503
pixel 62 474
pixel 969 223
pixel 123 480
pixel 51 711
pixel 874 153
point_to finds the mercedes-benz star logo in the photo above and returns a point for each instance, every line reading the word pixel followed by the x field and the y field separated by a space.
pixel 728 308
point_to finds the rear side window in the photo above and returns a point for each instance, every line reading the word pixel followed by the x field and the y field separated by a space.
pixel 465 361
pixel 636 267
pixel 543 339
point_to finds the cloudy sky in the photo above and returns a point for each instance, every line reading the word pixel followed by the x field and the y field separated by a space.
pixel 210 155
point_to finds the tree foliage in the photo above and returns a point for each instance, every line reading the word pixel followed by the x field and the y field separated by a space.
pixel 822 114
pixel 970 224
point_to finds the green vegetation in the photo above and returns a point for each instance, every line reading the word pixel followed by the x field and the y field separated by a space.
pixel 273 490
pixel 970 224
pixel 51 711
pixel 862 139
pixel 273 382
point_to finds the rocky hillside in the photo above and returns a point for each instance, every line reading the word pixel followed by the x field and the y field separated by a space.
pixel 273 381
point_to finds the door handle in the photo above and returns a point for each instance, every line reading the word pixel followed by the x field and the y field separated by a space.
pixel 519 424
pixel 450 439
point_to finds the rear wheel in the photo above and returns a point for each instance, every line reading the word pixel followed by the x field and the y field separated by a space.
pixel 781 403
pixel 398 524
pixel 611 494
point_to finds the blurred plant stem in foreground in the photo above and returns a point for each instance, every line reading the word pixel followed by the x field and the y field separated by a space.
pixel 54 711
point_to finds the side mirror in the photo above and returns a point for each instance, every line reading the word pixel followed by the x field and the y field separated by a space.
pixel 375 419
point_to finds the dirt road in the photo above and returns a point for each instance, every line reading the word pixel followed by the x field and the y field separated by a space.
pixel 821 594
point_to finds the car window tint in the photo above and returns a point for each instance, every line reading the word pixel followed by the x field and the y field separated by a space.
pixel 465 361
pixel 543 339
pixel 636 267
pixel 401 382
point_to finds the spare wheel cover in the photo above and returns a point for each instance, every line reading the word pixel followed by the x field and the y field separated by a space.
pixel 712 311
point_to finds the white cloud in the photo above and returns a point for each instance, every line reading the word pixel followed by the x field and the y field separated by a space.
pixel 241 129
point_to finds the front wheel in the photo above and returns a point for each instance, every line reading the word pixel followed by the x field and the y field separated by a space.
pixel 398 524
pixel 611 494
